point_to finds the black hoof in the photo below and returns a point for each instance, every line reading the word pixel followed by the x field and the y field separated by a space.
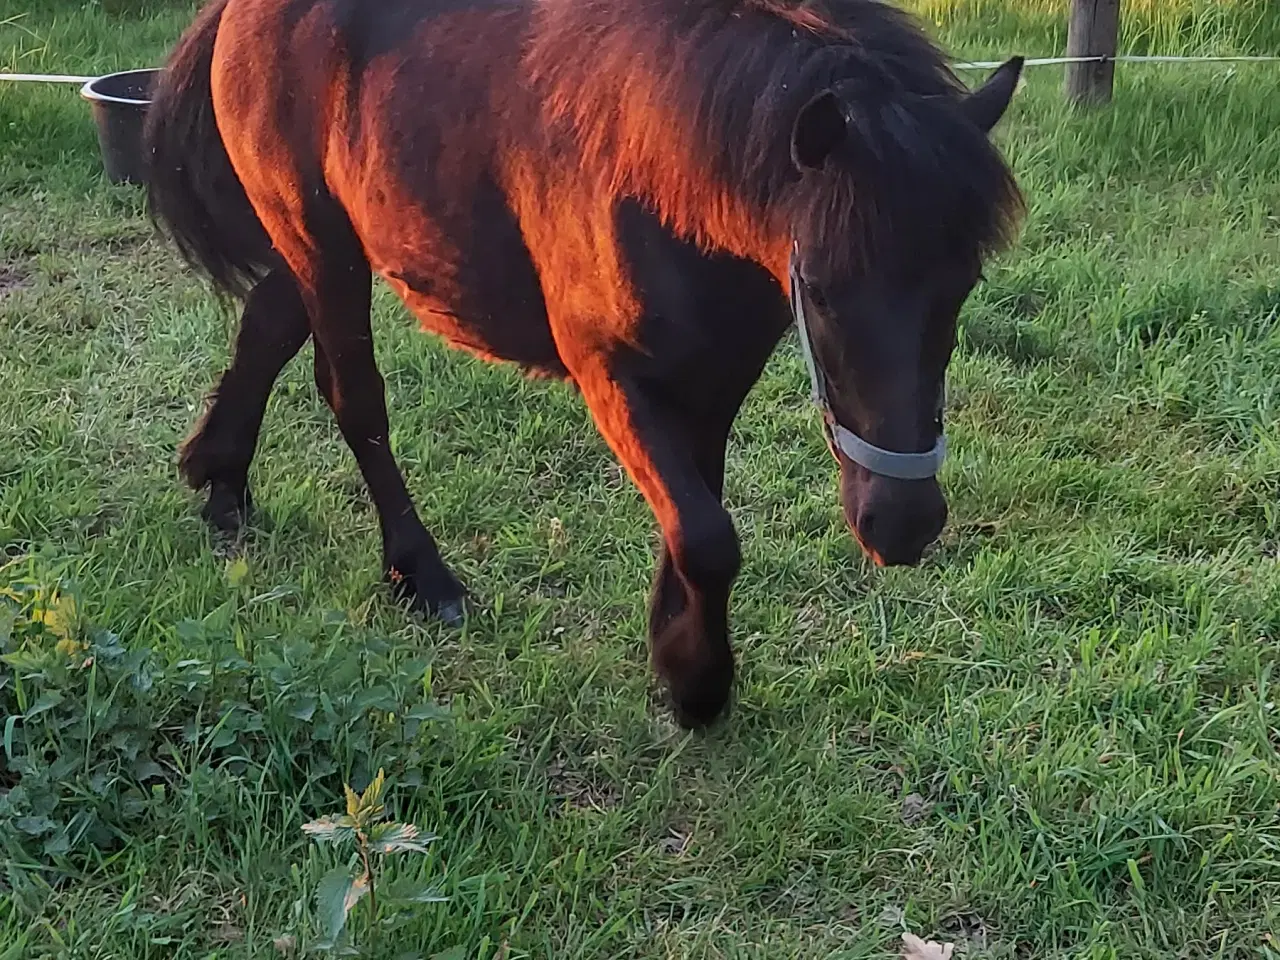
pixel 423 582
pixel 702 710
pixel 452 614
pixel 227 508
pixel 697 669
pixel 449 609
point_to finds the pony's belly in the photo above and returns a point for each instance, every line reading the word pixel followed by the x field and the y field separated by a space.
pixel 511 338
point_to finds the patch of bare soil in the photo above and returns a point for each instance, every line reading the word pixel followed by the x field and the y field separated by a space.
pixel 579 790
pixel 13 277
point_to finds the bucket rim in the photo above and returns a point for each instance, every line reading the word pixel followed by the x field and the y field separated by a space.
pixel 89 92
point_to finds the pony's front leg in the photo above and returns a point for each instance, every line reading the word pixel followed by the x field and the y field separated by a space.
pixel 678 467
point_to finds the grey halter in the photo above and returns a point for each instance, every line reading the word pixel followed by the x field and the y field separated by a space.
pixel 886 463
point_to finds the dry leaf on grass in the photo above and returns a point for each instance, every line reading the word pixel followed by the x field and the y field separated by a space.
pixel 915 809
pixel 226 933
pixel 913 948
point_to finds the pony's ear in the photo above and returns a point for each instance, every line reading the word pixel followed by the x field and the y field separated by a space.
pixel 986 105
pixel 818 130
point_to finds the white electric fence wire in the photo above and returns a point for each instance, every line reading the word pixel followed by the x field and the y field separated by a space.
pixel 963 65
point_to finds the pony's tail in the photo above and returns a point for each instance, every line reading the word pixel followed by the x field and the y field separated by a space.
pixel 193 193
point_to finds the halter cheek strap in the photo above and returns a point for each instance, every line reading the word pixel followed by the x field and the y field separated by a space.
pixel 886 463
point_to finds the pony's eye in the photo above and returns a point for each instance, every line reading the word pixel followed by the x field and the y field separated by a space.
pixel 816 296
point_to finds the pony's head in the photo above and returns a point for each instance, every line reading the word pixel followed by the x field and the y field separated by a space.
pixel 899 199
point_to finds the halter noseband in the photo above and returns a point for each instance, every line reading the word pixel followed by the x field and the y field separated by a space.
pixel 886 463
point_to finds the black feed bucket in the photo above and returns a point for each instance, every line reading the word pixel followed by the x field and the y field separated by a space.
pixel 119 103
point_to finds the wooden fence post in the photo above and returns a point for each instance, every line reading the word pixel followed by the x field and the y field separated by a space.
pixel 1094 31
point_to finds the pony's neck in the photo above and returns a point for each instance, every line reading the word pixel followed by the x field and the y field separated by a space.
pixel 669 165
pixel 666 135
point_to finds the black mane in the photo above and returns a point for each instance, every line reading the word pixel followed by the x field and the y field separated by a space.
pixel 725 79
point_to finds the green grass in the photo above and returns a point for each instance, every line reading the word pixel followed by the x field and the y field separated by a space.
pixel 1080 683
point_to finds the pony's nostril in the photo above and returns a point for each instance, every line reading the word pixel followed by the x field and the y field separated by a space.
pixel 867 525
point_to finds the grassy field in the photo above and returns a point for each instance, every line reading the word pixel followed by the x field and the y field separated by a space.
pixel 1058 738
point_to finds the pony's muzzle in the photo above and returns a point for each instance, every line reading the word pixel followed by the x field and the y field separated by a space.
pixel 894 521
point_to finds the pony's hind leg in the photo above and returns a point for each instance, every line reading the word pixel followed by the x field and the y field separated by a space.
pixel 217 453
pixel 336 285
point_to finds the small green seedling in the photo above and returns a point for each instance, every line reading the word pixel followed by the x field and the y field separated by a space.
pixel 345 885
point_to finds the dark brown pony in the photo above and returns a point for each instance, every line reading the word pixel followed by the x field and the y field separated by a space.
pixel 625 194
